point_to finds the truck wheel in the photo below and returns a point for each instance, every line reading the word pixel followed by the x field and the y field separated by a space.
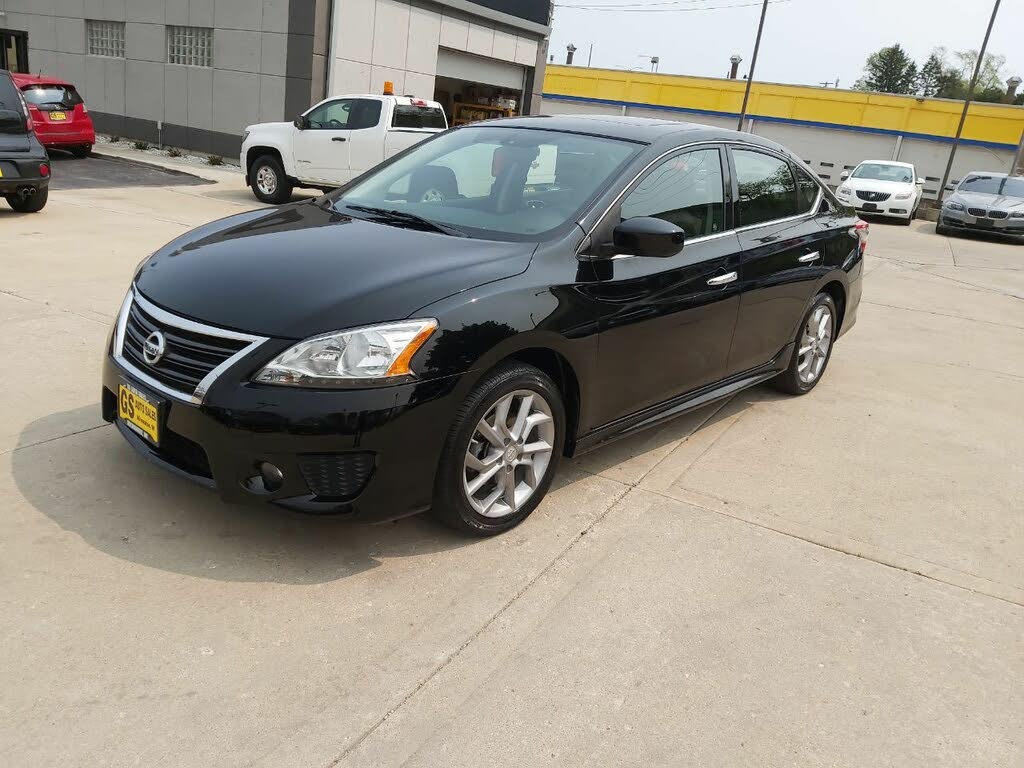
pixel 433 184
pixel 269 182
pixel 31 204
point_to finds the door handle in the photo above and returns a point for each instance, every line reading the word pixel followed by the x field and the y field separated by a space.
pixel 725 279
pixel 809 257
pixel 338 138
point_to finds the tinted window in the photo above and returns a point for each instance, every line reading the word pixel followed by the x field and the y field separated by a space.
pixel 766 186
pixel 410 116
pixel 12 116
pixel 495 182
pixel 807 188
pixel 365 113
pixel 333 115
pixel 51 96
pixel 685 189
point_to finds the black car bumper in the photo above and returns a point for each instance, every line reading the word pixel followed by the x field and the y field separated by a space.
pixel 372 453
pixel 21 172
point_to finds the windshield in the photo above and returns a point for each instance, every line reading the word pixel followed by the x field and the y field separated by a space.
pixel 46 95
pixel 494 182
pixel 884 172
pixel 1009 186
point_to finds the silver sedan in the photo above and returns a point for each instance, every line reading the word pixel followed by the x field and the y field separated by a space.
pixel 985 202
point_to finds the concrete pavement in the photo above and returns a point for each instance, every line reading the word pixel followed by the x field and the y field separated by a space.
pixel 830 580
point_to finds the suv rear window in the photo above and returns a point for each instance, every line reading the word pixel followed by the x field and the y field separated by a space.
pixel 12 111
pixel 51 95
pixel 410 116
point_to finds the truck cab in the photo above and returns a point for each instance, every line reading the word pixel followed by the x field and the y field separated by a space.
pixel 333 142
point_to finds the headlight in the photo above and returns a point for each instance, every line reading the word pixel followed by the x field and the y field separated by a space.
pixel 953 205
pixel 1017 215
pixel 843 191
pixel 348 357
pixel 245 135
pixel 904 195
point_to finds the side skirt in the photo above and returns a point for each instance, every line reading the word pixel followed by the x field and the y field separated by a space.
pixel 677 406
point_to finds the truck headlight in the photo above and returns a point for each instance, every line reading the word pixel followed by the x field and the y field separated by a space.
pixel 346 358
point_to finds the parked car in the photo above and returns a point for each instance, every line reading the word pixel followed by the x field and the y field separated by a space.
pixel 883 188
pixel 24 164
pixel 58 113
pixel 335 141
pixel 985 202
pixel 375 353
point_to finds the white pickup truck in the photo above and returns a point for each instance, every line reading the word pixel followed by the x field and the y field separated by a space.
pixel 333 142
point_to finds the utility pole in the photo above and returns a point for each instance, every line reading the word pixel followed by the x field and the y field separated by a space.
pixel 967 101
pixel 753 63
pixel 1017 169
pixel 590 56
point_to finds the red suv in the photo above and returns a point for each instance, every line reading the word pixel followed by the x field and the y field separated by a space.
pixel 58 113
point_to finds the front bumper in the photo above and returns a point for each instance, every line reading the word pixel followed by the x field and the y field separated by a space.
pixel 896 209
pixel 963 220
pixel 372 453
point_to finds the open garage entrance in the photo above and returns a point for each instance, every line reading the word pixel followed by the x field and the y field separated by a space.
pixel 472 88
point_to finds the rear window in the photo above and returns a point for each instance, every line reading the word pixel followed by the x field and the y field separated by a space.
pixel 51 95
pixel 12 112
pixel 411 116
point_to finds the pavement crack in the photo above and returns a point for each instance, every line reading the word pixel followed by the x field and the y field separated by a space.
pixel 454 655
pixel 941 314
pixel 52 439
pixel 13 294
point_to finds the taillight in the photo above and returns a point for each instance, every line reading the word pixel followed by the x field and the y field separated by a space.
pixel 860 230
pixel 44 169
pixel 85 110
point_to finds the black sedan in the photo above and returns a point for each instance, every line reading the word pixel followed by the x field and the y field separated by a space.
pixel 379 351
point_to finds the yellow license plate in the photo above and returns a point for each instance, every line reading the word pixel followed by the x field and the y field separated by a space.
pixel 57 116
pixel 1 173
pixel 139 412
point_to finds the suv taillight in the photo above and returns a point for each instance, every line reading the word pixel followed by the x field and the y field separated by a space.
pixel 860 229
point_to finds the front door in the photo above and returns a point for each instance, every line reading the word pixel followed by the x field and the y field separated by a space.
pixel 666 324
pixel 784 250
pixel 322 149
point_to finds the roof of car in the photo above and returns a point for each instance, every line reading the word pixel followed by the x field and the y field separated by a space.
pixel 21 80
pixel 643 129
pixel 992 174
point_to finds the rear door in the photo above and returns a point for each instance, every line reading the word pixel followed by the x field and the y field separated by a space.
pixel 666 323
pixel 784 248
pixel 321 150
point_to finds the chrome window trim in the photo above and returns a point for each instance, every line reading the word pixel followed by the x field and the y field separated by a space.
pixel 199 394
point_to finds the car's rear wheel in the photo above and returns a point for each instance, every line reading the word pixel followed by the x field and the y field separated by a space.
pixel 813 348
pixel 83 150
pixel 502 451
pixel 29 204
pixel 268 181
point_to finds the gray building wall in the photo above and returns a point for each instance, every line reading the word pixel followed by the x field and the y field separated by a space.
pixel 264 64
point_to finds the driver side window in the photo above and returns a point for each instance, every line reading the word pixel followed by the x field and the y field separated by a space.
pixel 331 116
pixel 685 189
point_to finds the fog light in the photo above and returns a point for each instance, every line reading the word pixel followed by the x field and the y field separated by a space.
pixel 273 477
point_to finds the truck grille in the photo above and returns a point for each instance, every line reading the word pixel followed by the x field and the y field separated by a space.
pixel 190 353
pixel 873 197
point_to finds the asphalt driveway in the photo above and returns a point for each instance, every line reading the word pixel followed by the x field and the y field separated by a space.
pixel 97 172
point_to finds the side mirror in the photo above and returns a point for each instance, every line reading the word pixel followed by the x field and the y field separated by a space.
pixel 648 236
pixel 920 181
pixel 301 122
pixel 844 175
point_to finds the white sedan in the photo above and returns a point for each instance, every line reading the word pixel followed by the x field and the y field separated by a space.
pixel 883 188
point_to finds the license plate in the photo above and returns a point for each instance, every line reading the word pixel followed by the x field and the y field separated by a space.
pixel 58 116
pixel 139 412
pixel 870 207
pixel 985 223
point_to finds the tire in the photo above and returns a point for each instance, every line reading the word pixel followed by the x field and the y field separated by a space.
pixel 433 184
pixel 906 222
pixel 793 381
pixel 941 229
pixel 32 204
pixel 513 384
pixel 273 186
pixel 81 151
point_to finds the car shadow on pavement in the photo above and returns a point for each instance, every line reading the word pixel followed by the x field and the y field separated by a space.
pixel 93 484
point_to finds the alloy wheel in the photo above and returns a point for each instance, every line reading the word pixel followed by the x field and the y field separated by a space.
pixel 509 454
pixel 814 344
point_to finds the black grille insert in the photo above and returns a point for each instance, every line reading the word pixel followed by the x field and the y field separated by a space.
pixel 184 454
pixel 979 212
pixel 188 358
pixel 340 476
pixel 873 197
pixel 997 214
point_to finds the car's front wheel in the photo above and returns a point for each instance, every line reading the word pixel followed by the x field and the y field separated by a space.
pixel 813 348
pixel 941 229
pixel 30 203
pixel 269 182
pixel 502 451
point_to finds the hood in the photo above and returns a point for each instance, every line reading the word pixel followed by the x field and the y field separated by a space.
pixel 989 201
pixel 268 127
pixel 301 270
pixel 878 185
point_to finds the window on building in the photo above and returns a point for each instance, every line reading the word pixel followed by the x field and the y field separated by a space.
pixel 105 38
pixel 766 186
pixel 685 189
pixel 191 46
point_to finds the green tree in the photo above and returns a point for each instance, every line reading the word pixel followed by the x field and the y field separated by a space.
pixel 931 77
pixel 889 70
pixel 990 76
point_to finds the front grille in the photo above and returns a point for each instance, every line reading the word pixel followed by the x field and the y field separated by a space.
pixel 997 214
pixel 340 476
pixel 978 212
pixel 188 358
pixel 873 197
pixel 184 454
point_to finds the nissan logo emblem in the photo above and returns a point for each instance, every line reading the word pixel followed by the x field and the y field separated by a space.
pixel 154 347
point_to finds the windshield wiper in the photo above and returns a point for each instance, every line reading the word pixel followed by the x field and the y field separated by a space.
pixel 411 218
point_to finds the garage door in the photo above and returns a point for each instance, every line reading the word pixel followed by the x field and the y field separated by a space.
pixel 478 69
